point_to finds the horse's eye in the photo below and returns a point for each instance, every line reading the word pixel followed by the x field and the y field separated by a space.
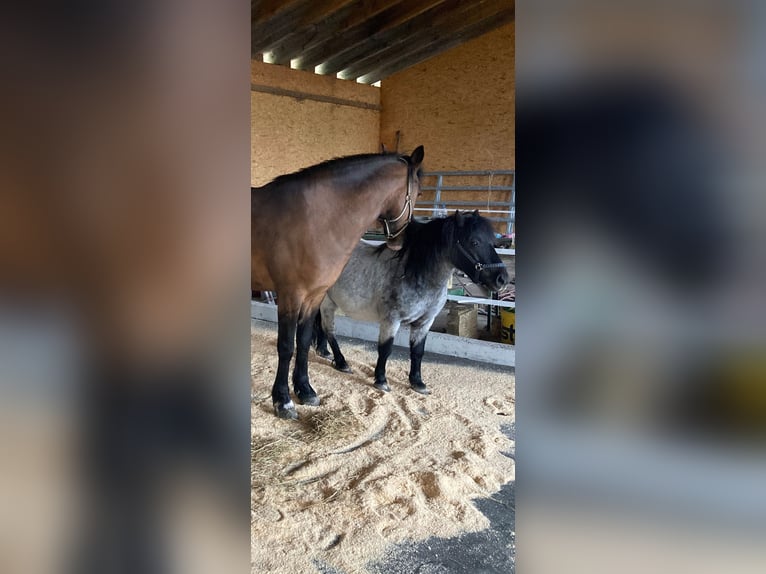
pixel 474 243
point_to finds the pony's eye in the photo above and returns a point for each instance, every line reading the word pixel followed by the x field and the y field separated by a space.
pixel 474 243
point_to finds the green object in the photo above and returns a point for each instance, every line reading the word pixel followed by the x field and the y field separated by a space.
pixel 456 291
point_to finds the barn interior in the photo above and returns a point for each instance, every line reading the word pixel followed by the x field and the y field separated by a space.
pixel 391 482
pixel 341 77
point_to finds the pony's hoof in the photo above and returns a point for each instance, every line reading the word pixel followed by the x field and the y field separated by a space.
pixel 343 368
pixel 382 386
pixel 420 388
pixel 308 400
pixel 286 411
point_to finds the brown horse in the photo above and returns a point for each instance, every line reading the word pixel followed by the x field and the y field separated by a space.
pixel 305 226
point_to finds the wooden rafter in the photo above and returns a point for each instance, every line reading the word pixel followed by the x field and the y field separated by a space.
pixel 367 39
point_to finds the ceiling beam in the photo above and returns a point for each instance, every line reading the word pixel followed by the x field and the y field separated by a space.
pixel 303 43
pixel 266 31
pixel 261 10
pixel 266 19
pixel 443 27
pixel 354 42
pixel 431 50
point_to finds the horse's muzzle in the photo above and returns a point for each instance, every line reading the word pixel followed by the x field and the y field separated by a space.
pixel 501 279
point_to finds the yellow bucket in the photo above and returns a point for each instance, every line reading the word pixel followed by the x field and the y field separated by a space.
pixel 508 325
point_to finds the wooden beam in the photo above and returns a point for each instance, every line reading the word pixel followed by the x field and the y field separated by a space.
pixel 478 29
pixel 262 10
pixel 443 26
pixel 266 32
pixel 298 44
pixel 300 96
pixel 349 45
pixel 266 21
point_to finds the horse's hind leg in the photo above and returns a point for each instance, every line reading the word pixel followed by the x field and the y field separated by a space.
pixel 385 346
pixel 303 390
pixel 327 311
pixel 280 392
pixel 418 336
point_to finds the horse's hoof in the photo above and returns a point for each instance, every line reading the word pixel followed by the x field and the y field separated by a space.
pixel 286 411
pixel 308 400
pixel 382 386
pixel 420 388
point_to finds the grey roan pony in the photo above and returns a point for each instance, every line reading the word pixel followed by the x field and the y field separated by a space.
pixel 409 287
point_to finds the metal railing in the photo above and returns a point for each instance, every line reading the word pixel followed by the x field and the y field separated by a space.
pixel 493 208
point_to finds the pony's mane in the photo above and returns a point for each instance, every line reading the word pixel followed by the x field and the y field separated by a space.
pixel 425 244
pixel 364 164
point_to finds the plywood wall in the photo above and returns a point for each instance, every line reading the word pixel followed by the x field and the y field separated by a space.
pixel 289 132
pixel 459 104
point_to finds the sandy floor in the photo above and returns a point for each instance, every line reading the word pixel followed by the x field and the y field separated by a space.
pixel 365 469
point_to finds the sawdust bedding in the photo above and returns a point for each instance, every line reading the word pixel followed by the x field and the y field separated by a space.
pixel 366 470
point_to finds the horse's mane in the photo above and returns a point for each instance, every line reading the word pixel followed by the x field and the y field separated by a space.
pixel 425 244
pixel 358 167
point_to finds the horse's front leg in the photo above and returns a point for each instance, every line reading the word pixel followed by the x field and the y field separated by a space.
pixel 386 336
pixel 303 390
pixel 280 392
pixel 418 336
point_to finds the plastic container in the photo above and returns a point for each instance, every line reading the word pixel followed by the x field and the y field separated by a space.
pixel 508 326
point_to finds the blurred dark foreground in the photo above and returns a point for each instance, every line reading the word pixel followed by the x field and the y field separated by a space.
pixel 641 373
pixel 124 415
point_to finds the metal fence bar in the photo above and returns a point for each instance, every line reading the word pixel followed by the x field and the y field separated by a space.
pixel 463 202
pixel 430 209
pixel 467 300
pixel 476 172
pixel 438 200
pixel 512 221
pixel 438 194
pixel 465 188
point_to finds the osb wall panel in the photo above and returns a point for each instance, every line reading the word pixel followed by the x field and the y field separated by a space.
pixel 460 105
pixel 302 81
pixel 287 133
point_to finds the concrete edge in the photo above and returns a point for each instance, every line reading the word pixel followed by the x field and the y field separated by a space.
pixel 437 343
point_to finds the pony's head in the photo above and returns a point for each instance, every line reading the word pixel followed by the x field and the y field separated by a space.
pixel 473 251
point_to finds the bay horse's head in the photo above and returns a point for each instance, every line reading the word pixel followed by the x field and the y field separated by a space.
pixel 397 212
pixel 474 252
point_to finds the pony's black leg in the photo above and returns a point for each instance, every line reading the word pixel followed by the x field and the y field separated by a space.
pixel 280 392
pixel 384 351
pixel 327 313
pixel 417 347
pixel 320 338
pixel 306 395
pixel 385 345
pixel 339 359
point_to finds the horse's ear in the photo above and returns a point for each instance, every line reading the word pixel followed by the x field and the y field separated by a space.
pixel 476 213
pixel 459 218
pixel 417 156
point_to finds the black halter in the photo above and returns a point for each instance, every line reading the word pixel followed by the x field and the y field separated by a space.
pixel 406 209
pixel 478 266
